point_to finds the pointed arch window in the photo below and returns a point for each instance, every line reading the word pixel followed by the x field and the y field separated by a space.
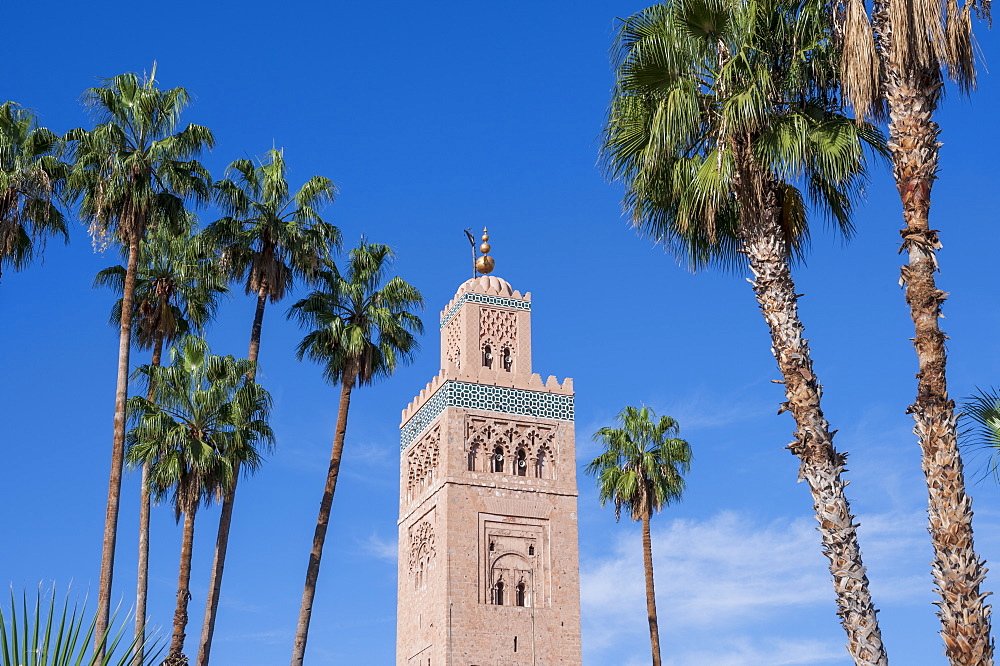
pixel 540 464
pixel 521 464
pixel 473 454
pixel 497 459
pixel 520 596
pixel 498 593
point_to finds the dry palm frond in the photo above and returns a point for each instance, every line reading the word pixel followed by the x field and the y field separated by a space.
pixel 860 65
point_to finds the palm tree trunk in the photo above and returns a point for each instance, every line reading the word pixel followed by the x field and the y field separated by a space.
pixel 821 465
pixel 226 515
pixel 958 571
pixel 319 536
pixel 117 452
pixel 647 559
pixel 176 656
pixel 142 586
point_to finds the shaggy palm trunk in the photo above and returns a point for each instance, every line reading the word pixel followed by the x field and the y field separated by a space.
pixel 647 560
pixel 767 248
pixel 226 515
pixel 142 586
pixel 176 655
pixel 117 452
pixel 319 537
pixel 958 571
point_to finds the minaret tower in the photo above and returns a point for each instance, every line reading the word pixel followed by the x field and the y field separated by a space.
pixel 488 547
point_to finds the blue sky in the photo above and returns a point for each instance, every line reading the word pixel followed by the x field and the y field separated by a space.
pixel 432 118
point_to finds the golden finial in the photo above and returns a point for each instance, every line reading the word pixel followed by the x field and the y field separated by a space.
pixel 484 264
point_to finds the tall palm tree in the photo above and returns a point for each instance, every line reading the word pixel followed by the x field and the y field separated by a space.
pixel 131 172
pixel 362 329
pixel 642 470
pixel 178 284
pixel 898 61
pixel 268 238
pixel 31 179
pixel 205 405
pixel 721 107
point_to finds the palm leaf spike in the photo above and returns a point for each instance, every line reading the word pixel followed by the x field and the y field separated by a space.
pixel 51 635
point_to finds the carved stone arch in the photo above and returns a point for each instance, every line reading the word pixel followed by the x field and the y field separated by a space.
pixel 476 453
pixel 544 462
pixel 422 550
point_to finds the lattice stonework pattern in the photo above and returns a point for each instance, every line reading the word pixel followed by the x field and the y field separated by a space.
pixel 453 341
pixel 422 462
pixel 487 398
pixel 500 301
pixel 497 327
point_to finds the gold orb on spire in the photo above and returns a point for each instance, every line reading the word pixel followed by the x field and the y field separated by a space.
pixel 485 263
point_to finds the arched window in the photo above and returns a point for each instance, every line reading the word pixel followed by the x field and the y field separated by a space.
pixel 498 593
pixel 487 357
pixel 540 464
pixel 473 454
pixel 521 464
pixel 506 359
pixel 498 459
pixel 531 550
pixel 519 595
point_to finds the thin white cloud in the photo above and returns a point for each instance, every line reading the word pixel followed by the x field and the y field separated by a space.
pixel 732 591
pixel 383 549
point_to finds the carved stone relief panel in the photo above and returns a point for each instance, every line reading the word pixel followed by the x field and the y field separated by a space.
pixel 510 447
pixel 422 549
pixel 513 560
pixel 422 462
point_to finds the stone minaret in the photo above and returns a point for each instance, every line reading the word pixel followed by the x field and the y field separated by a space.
pixel 488 561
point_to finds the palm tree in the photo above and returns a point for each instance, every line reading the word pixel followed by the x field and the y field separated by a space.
pixel 642 470
pixel 31 178
pixel 132 172
pixel 205 406
pixel 902 56
pixel 720 108
pixel 268 239
pixel 362 328
pixel 177 287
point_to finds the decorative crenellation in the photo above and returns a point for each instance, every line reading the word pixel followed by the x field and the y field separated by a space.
pixel 486 299
pixel 422 462
pixel 503 399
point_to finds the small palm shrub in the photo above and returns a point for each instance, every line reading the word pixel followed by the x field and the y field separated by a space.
pixel 51 634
